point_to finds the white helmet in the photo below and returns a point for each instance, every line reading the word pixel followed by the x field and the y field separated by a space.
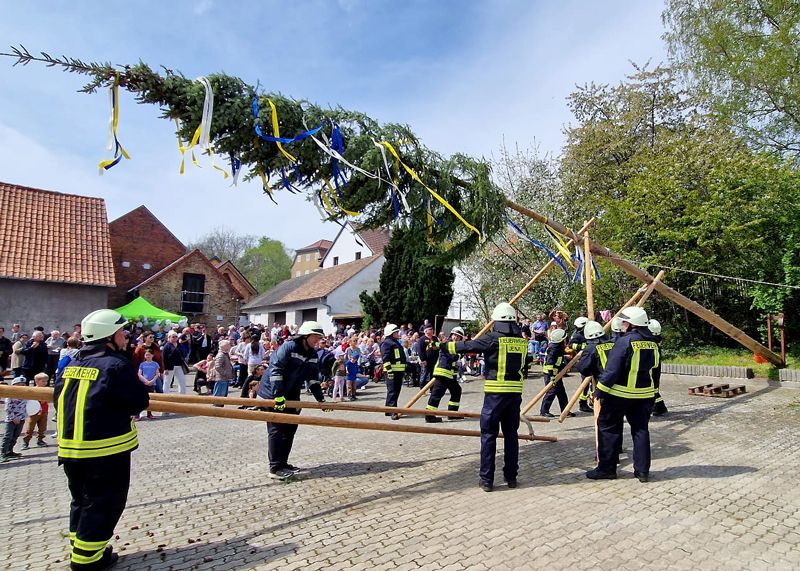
pixel 100 324
pixel 389 329
pixel 557 335
pixel 581 321
pixel 654 326
pixel 616 325
pixel 593 330
pixel 310 328
pixel 457 331
pixel 634 315
pixel 504 312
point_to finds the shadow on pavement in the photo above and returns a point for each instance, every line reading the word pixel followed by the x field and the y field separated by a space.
pixel 701 471
pixel 205 554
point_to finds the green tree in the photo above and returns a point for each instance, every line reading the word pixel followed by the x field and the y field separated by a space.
pixel 744 56
pixel 265 264
pixel 414 285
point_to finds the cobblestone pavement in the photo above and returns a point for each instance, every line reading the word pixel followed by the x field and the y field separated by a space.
pixel 724 495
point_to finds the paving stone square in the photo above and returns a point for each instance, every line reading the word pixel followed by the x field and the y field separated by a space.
pixel 723 495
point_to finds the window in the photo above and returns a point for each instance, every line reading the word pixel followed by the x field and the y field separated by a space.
pixel 336 260
pixel 297 274
pixel 308 257
pixel 358 255
pixel 307 271
pixel 126 264
pixel 193 294
pixel 146 266
pixel 310 314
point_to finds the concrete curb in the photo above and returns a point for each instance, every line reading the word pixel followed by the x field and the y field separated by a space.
pixel 789 375
pixel 710 371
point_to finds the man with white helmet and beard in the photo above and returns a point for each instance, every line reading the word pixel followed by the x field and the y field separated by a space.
pixel 290 367
pixel 445 375
pixel 504 350
pixel 626 390
pixel 393 356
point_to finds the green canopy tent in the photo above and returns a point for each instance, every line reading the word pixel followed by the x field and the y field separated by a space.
pixel 140 307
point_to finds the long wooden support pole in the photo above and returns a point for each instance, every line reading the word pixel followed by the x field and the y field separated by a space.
pixel 565 413
pixel 587 276
pixel 46 394
pixel 727 328
pixel 423 391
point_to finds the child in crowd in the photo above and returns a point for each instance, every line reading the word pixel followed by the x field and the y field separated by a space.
pixel 352 377
pixel 148 374
pixel 37 421
pixel 339 375
pixel 16 413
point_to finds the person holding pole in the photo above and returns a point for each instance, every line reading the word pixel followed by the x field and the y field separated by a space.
pixel 95 396
pixel 504 350
pixel 393 356
pixel 554 361
pixel 659 408
pixel 445 375
pixel 290 367
pixel 627 389
pixel 594 357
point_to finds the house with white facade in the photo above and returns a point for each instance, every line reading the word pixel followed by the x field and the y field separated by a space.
pixel 351 265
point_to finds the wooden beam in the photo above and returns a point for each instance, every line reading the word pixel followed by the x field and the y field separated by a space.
pixel 587 276
pixel 707 315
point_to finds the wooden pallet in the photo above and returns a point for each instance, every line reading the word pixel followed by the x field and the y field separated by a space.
pixel 717 390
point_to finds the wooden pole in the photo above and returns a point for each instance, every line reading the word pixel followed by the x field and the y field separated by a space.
pixel 45 393
pixel 727 328
pixel 650 289
pixel 586 225
pixel 352 407
pixel 587 275
pixel 574 399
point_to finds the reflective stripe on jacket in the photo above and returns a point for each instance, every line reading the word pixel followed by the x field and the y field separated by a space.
pixel 393 355
pixel 504 351
pixel 633 368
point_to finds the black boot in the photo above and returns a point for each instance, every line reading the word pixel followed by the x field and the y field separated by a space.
pixel 584 407
pixel 432 419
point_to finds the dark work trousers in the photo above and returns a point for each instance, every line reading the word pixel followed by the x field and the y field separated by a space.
pixel 659 407
pixel 557 391
pixel 242 373
pixel 440 386
pixel 394 382
pixel 414 371
pixel 613 412
pixel 500 411
pixel 99 489
pixel 280 438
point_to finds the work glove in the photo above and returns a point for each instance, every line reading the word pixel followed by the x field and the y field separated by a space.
pixel 325 409
pixel 280 404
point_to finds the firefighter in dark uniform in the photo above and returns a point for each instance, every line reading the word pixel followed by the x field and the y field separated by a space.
pixel 428 354
pixel 578 340
pixel 554 362
pixel 593 360
pixel 96 396
pixel 627 389
pixel 504 351
pixel 445 374
pixel 659 408
pixel 393 356
pixel 290 367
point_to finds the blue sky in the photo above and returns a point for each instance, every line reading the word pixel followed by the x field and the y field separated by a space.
pixel 465 75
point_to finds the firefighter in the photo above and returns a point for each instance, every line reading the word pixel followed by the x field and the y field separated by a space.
pixel 659 408
pixel 96 396
pixel 627 389
pixel 593 360
pixel 290 367
pixel 554 361
pixel 393 356
pixel 578 340
pixel 445 375
pixel 428 354
pixel 616 328
pixel 504 350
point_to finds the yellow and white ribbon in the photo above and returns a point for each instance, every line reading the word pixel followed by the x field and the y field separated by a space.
pixel 202 135
pixel 112 142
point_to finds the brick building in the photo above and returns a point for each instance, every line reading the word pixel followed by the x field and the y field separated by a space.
pixel 193 286
pixel 141 246
pixel 233 275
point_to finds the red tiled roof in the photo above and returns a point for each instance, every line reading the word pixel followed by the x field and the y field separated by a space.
pixel 54 237
pixel 318 245
pixel 314 285
pixel 376 239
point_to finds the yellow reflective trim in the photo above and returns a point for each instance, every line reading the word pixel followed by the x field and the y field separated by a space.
pixel 440 372
pixel 99 453
pixel 453 403
pixel 81 373
pixel 61 411
pixel 102 443
pixel 431 407
pixel 91 545
pixel 451 347
pixel 398 367
pixel 80 406
pixel 84 560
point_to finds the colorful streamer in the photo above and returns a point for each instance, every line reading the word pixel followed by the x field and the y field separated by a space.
pixel 561 246
pixel 113 123
pixel 538 244
pixel 429 189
